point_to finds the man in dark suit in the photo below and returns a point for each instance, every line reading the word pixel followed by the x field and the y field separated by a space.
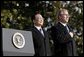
pixel 62 36
pixel 40 37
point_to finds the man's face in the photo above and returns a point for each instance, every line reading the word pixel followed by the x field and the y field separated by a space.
pixel 64 16
pixel 39 20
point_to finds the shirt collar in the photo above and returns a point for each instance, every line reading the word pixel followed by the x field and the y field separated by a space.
pixel 38 27
pixel 64 24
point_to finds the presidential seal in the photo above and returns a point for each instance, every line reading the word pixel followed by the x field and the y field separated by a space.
pixel 18 40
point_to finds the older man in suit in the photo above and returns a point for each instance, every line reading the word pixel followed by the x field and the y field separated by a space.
pixel 40 36
pixel 62 36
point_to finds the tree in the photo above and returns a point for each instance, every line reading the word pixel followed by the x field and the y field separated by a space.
pixel 17 15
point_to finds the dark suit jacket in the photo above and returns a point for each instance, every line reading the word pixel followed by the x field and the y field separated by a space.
pixel 64 44
pixel 41 44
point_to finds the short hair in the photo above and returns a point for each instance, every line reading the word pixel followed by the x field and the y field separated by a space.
pixel 33 16
pixel 61 10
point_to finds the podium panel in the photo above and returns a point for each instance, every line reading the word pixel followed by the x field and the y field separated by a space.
pixel 17 42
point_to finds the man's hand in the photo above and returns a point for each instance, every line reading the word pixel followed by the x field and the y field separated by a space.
pixel 71 34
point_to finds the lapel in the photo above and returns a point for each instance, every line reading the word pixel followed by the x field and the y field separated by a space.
pixel 39 31
pixel 70 29
pixel 61 26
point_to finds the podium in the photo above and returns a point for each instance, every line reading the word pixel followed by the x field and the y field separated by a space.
pixel 17 42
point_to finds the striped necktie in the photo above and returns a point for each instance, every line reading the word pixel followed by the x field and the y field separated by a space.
pixel 41 31
pixel 67 28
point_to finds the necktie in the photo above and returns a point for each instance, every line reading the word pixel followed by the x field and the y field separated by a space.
pixel 67 28
pixel 41 32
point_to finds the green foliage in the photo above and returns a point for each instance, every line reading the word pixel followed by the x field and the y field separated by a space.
pixel 14 14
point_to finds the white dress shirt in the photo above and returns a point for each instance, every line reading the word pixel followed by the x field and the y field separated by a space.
pixel 40 29
pixel 65 24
